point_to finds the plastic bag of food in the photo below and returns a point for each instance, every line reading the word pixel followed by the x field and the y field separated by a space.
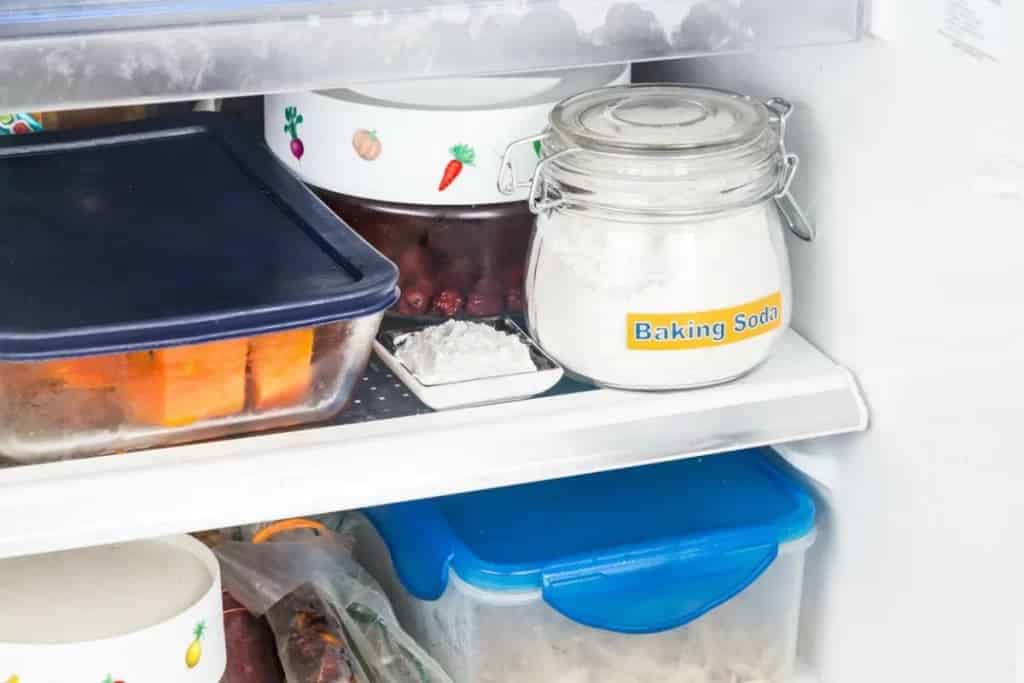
pixel 324 608
pixel 252 655
pixel 310 638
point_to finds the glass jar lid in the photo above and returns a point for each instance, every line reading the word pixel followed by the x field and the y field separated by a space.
pixel 662 149
pixel 671 119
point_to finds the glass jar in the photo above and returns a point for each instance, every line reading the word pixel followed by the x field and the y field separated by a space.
pixel 658 258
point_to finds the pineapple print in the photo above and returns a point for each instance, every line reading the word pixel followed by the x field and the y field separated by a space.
pixel 13 679
pixel 195 651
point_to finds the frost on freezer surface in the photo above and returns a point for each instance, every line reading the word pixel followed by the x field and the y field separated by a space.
pixel 49 59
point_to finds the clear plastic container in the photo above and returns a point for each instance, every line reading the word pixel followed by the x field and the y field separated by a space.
pixel 491 637
pixel 658 259
pixel 631 576
pixel 71 407
pixel 454 261
pixel 185 286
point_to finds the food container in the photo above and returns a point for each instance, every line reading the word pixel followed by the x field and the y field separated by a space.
pixel 658 258
pixel 21 123
pixel 686 571
pixel 140 611
pixel 411 166
pixel 184 286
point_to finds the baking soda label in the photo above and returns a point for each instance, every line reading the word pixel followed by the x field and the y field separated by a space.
pixel 703 329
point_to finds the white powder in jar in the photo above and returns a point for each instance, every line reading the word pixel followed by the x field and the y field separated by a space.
pixel 458 350
pixel 588 274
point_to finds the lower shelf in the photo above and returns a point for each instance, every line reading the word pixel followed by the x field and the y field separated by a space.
pixel 387 447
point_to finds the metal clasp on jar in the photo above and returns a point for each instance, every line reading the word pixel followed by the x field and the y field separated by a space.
pixel 791 212
pixel 539 201
pixel 508 183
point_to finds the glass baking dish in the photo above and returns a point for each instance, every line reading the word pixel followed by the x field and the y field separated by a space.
pixel 169 281
pixel 69 407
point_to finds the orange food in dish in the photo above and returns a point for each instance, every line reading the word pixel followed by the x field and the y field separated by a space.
pixel 92 372
pixel 280 368
pixel 178 386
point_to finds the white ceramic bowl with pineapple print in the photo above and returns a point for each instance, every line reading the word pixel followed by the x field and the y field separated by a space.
pixel 140 612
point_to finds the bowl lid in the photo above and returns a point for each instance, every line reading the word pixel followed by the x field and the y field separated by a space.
pixel 167 232
pixel 637 551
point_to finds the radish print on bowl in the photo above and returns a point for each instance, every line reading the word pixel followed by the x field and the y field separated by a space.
pixel 293 118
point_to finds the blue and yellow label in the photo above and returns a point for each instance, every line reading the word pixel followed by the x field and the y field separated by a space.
pixel 702 329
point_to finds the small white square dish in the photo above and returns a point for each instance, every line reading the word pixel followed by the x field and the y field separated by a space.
pixel 470 392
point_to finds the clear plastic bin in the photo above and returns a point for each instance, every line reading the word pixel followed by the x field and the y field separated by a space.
pixel 72 407
pixel 698 593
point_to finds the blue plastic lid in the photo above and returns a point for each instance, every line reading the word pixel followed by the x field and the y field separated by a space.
pixel 167 232
pixel 635 551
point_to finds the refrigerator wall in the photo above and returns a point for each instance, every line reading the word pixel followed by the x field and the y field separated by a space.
pixel 913 171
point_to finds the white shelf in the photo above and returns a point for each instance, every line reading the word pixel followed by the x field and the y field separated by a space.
pixel 75 53
pixel 798 394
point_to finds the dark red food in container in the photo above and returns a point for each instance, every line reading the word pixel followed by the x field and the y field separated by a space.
pixel 466 261
pixel 252 654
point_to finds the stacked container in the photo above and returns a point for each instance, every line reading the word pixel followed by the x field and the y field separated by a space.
pixel 145 610
pixel 687 571
pixel 412 167
pixel 167 281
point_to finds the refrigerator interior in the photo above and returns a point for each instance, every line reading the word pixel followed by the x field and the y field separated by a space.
pixel 913 172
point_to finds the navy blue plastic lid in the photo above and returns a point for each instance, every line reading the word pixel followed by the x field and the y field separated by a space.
pixel 635 551
pixel 167 232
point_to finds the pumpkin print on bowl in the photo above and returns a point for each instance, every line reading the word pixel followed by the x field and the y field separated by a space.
pixel 366 144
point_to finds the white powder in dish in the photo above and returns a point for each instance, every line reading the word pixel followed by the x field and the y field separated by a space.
pixel 587 274
pixel 458 350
